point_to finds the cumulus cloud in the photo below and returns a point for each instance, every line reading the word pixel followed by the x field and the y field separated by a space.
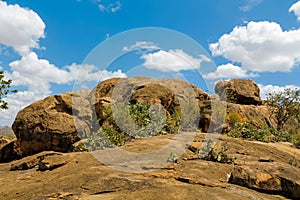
pixel 296 9
pixel 141 45
pixel 229 71
pixel 21 28
pixel 260 46
pixel 40 89
pixel 38 74
pixel 88 73
pixel 172 60
pixel 266 89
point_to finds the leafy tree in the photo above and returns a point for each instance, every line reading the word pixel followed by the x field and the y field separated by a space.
pixel 284 105
pixel 4 90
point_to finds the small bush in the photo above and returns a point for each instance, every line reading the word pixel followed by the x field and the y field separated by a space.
pixel 249 131
pixel 106 137
pixel 233 118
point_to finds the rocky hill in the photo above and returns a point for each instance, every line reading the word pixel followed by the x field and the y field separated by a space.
pixel 134 156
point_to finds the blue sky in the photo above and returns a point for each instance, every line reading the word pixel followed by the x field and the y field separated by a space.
pixel 45 44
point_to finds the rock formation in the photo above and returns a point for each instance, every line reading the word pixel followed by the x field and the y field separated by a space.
pixel 49 124
pixel 58 121
pixel 239 91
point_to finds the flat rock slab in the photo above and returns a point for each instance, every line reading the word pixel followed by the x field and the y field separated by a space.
pixel 44 160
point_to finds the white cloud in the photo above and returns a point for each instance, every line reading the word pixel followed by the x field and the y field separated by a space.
pixel 172 60
pixel 261 47
pixel 229 71
pixel 37 75
pixel 266 89
pixel 85 73
pixel 141 45
pixel 111 7
pixel 296 9
pixel 21 28
pixel 249 4
pixel 16 102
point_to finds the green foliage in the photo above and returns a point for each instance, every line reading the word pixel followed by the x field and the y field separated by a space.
pixel 148 121
pixel 4 90
pixel 106 137
pixel 133 121
pixel 249 131
pixel 141 120
pixel 214 154
pixel 296 140
pixel 284 105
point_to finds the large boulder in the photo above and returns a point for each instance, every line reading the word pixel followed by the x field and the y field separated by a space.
pixel 239 91
pixel 53 123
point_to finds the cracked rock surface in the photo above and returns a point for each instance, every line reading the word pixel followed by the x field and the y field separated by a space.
pixel 260 171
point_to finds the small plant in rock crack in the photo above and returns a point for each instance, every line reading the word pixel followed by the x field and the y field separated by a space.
pixel 214 154
pixel 173 158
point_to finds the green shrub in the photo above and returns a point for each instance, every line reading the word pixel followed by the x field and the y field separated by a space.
pixel 264 134
pixel 106 137
pixel 147 120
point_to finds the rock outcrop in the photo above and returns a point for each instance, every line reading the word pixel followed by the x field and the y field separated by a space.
pixel 260 171
pixel 52 123
pixel 171 94
pixel 269 177
pixel 239 91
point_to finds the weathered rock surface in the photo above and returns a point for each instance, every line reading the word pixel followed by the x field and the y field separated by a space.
pixel 274 178
pixel 272 168
pixel 49 124
pixel 239 91
pixel 258 115
pixel 32 161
